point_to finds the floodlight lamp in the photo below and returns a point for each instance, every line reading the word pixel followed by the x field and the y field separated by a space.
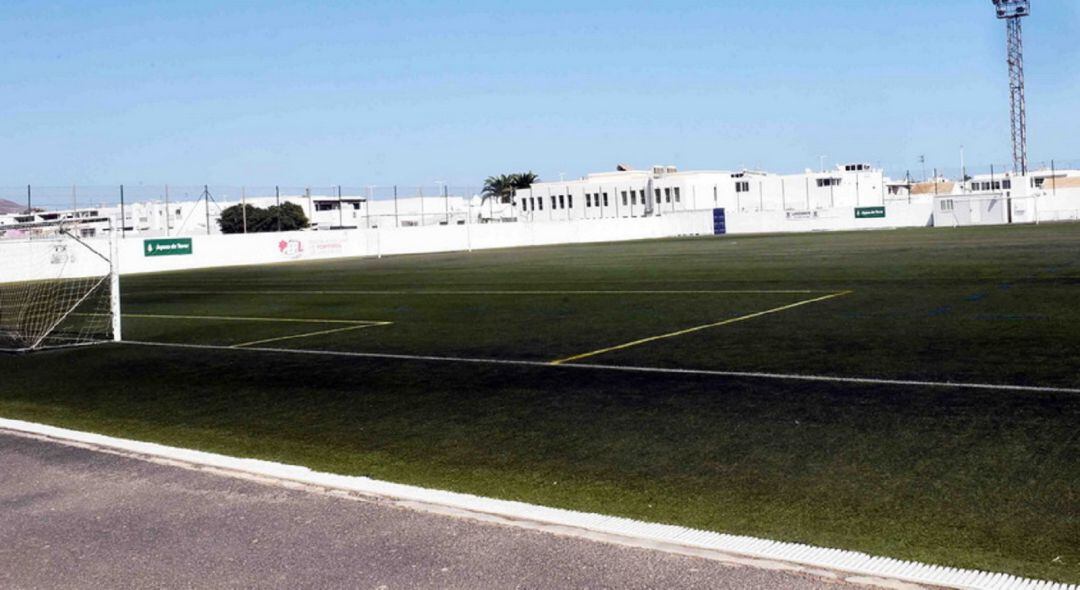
pixel 1012 8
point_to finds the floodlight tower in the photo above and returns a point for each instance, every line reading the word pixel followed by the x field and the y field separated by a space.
pixel 1011 11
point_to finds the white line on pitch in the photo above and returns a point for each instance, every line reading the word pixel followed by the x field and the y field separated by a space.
pixel 254 319
pixel 519 292
pixel 626 368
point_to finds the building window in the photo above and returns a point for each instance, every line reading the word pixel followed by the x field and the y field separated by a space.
pixel 678 197
pixel 588 200
pixel 667 195
pixel 827 182
pixel 657 195
pixel 570 201
pixel 554 203
pixel 633 197
pixel 540 201
pixel 562 202
pixel 1006 184
pixel 624 201
pixel 946 204
pixel 605 200
pixel 742 186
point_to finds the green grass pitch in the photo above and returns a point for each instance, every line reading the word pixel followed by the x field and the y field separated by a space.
pixel 967 477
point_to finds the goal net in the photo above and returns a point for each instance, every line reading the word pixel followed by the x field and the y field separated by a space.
pixel 59 286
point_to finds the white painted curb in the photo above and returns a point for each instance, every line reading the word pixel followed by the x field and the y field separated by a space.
pixel 816 557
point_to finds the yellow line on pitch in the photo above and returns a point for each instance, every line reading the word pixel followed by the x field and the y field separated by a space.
pixel 244 319
pixel 309 334
pixel 699 328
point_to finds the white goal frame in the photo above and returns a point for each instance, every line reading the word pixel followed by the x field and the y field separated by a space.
pixel 65 233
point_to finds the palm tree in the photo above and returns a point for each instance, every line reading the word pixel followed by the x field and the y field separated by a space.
pixel 524 180
pixel 499 187
pixel 502 187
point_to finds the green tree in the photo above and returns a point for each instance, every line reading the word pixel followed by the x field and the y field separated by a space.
pixel 262 220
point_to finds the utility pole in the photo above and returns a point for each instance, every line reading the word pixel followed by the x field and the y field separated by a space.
pixel 1011 11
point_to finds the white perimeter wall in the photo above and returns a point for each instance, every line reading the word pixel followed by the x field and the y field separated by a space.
pixel 916 213
pixel 232 250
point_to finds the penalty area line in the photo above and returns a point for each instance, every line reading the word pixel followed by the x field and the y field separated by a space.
pixel 625 368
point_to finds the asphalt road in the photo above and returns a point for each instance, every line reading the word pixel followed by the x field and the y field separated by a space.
pixel 79 518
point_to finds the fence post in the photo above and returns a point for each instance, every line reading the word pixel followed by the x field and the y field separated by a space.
pixel 123 223
pixel 397 223
pixel 29 202
pixel 367 204
pixel 168 217
pixel 206 203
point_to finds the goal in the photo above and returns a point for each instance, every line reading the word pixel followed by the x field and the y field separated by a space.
pixel 59 285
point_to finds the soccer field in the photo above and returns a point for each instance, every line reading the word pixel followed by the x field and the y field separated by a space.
pixel 910 393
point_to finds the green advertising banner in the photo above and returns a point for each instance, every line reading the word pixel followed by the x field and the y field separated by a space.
pixel 167 247
pixel 869 212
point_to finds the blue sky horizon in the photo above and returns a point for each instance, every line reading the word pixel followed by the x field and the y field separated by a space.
pixel 416 93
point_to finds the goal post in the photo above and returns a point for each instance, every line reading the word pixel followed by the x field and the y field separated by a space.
pixel 59 285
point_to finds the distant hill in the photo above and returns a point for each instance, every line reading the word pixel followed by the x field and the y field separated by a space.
pixel 7 207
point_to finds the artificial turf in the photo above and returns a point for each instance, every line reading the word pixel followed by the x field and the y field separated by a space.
pixel 965 477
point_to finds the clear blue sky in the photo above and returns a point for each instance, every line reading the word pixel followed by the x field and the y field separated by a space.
pixel 409 92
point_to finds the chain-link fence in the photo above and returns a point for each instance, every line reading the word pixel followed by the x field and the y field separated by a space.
pixel 194 209
pixel 925 170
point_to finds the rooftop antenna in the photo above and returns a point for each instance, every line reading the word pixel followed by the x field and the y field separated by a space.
pixel 1011 11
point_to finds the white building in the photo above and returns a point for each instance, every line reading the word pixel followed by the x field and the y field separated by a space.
pixel 994 199
pixel 638 193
